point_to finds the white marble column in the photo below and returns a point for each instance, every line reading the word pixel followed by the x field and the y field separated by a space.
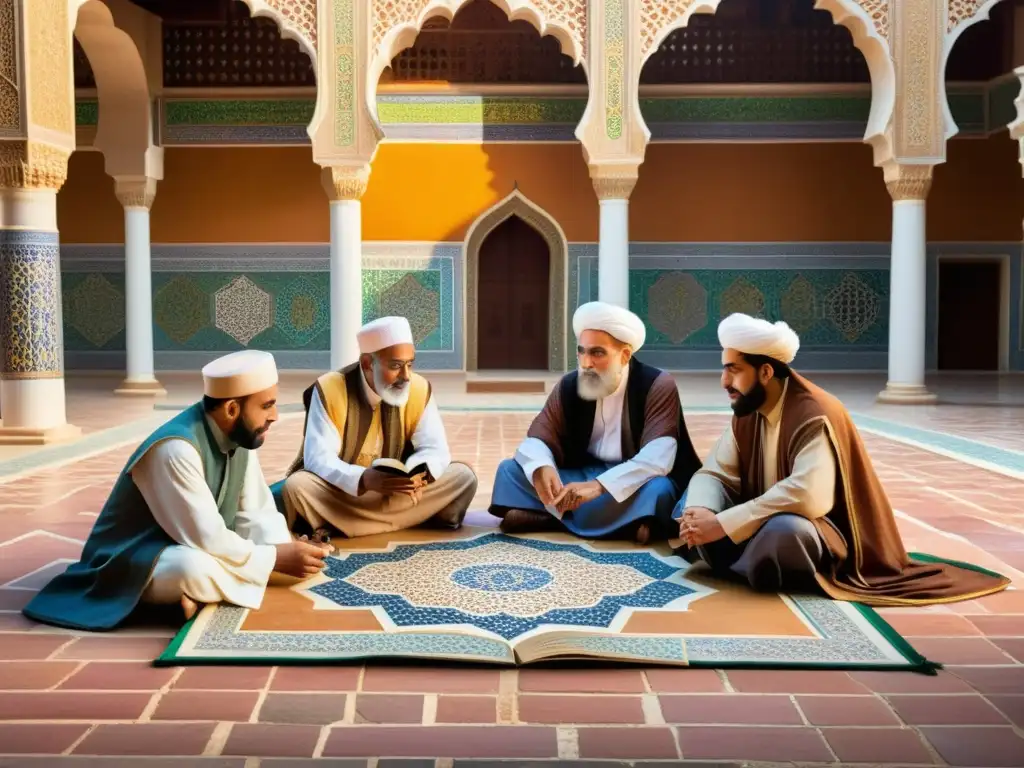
pixel 613 244
pixel 908 186
pixel 345 187
pixel 31 324
pixel 136 195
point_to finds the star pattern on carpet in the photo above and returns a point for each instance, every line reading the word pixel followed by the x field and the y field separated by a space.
pixel 503 585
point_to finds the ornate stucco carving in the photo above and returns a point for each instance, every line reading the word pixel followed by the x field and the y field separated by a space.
pixel 135 193
pixel 51 97
pixel 613 183
pixel 32 165
pixel 963 10
pixel 908 182
pixel 10 88
pixel 345 182
pixel 568 16
pixel 918 41
pixel 295 18
pixel 656 16
pixel 878 10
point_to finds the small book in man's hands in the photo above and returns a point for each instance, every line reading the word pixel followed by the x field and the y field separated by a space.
pixel 396 467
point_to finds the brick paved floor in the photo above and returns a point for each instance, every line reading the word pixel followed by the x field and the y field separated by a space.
pixel 82 695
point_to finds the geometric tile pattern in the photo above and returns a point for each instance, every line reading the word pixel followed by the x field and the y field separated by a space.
pixel 242 310
pixel 827 307
pixel 302 310
pixel 95 309
pixel 181 309
pixel 30 312
pixel 414 294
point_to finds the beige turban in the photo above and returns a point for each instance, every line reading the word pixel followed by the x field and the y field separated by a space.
pixel 617 322
pixel 754 336
pixel 239 374
pixel 382 333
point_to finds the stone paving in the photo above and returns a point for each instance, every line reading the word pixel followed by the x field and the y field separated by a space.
pixel 65 696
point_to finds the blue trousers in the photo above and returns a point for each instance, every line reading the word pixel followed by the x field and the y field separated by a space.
pixel 599 518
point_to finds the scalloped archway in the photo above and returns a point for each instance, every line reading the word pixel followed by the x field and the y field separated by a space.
pixel 517 204
pixel 295 18
pixel 962 14
pixel 867 20
pixel 396 23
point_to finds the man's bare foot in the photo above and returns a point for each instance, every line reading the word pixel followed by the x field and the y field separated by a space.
pixel 527 521
pixel 643 534
pixel 189 606
pixel 322 536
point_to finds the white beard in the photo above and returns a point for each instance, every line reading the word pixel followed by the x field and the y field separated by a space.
pixel 396 395
pixel 591 385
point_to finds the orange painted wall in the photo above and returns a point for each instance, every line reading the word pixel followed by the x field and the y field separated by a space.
pixel 686 192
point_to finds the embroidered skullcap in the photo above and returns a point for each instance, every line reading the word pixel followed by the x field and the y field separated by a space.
pixel 617 322
pixel 754 336
pixel 382 333
pixel 239 374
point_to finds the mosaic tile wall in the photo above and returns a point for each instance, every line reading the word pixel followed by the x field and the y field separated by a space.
pixel 209 300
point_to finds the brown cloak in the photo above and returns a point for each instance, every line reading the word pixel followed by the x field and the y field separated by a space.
pixel 869 563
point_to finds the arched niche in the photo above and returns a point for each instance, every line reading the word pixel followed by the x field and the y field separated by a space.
pixel 517 204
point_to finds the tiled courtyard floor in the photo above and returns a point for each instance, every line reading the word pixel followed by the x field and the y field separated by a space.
pixel 71 695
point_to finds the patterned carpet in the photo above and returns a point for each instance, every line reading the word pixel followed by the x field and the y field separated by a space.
pixel 483 596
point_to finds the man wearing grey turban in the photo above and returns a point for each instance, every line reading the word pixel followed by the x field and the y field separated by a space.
pixel 788 497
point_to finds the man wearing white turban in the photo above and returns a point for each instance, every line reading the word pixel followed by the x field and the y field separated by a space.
pixel 609 454
pixel 363 423
pixel 190 520
pixel 788 498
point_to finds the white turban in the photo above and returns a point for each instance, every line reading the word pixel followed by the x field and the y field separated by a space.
pixel 754 336
pixel 382 333
pixel 619 323
pixel 239 374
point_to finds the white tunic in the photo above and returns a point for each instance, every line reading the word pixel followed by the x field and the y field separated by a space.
pixel 624 479
pixel 321 446
pixel 212 563
pixel 808 491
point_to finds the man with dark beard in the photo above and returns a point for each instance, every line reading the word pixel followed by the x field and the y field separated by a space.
pixel 788 498
pixel 376 408
pixel 609 454
pixel 190 520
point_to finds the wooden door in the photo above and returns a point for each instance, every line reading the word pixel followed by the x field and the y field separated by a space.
pixel 512 299
pixel 969 301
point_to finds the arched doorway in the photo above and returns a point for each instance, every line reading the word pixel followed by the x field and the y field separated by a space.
pixel 513 324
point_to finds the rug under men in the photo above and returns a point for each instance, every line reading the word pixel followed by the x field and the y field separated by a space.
pixel 482 596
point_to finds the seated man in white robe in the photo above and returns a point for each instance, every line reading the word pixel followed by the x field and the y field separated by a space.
pixel 190 519
pixel 377 409
pixel 609 455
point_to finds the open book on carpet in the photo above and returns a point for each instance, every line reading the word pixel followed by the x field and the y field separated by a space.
pixel 482 596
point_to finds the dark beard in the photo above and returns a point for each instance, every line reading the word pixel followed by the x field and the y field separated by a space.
pixel 245 437
pixel 748 402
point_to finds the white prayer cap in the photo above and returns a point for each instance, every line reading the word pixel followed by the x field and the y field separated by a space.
pixel 617 322
pixel 382 333
pixel 239 374
pixel 754 336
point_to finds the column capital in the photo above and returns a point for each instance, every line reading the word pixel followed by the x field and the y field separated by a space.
pixel 135 192
pixel 908 182
pixel 614 182
pixel 345 182
pixel 32 165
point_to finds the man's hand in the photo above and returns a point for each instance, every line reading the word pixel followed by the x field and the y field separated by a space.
pixel 699 526
pixel 547 484
pixel 300 559
pixel 390 485
pixel 578 494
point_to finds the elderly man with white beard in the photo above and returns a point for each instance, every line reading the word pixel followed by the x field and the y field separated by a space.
pixel 609 456
pixel 375 409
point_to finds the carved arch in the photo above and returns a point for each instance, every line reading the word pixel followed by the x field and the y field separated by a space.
pixel 124 133
pixel 517 204
pixel 962 15
pixel 396 23
pixel 296 19
pixel 867 20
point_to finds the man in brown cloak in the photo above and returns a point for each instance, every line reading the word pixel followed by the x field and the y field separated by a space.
pixel 788 497
pixel 609 455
